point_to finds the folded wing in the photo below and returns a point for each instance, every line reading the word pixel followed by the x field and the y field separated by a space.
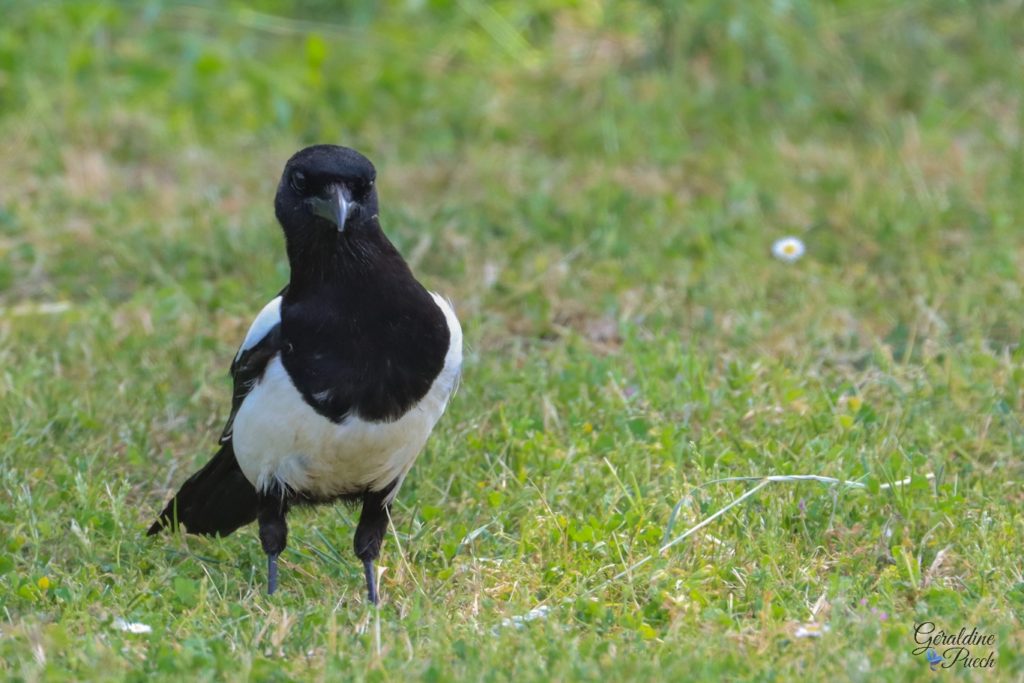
pixel 218 498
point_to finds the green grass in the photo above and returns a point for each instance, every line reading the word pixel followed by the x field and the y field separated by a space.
pixel 597 189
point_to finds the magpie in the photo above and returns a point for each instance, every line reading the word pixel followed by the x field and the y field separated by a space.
pixel 340 379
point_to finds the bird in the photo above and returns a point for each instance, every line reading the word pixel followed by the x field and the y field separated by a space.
pixel 340 379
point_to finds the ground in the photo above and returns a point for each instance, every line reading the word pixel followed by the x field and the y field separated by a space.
pixel 597 189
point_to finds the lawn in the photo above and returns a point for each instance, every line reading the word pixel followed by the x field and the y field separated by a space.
pixel 597 188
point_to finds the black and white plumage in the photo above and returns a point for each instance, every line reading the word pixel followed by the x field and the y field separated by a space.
pixel 340 378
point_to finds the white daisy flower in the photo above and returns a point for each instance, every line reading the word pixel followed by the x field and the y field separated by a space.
pixel 131 626
pixel 811 630
pixel 788 249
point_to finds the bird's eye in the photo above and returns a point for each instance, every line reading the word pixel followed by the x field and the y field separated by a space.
pixel 298 181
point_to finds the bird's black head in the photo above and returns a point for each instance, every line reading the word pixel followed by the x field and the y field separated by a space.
pixel 326 188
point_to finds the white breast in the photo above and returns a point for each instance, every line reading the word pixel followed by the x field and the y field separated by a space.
pixel 278 437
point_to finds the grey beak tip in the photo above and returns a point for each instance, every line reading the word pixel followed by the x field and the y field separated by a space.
pixel 342 207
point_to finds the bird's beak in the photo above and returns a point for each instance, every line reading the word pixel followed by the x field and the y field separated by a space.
pixel 333 205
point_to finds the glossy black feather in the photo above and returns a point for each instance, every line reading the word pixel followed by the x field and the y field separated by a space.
pixel 215 500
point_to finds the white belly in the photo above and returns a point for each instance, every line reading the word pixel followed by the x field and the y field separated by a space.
pixel 278 437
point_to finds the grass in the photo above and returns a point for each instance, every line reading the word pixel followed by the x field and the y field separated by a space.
pixel 597 188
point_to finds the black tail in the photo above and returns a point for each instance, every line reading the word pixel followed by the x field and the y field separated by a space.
pixel 215 500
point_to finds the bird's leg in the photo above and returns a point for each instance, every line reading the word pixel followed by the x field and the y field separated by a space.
pixel 271 573
pixel 273 531
pixel 371 582
pixel 373 524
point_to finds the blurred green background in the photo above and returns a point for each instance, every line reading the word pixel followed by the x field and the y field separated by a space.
pixel 597 186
